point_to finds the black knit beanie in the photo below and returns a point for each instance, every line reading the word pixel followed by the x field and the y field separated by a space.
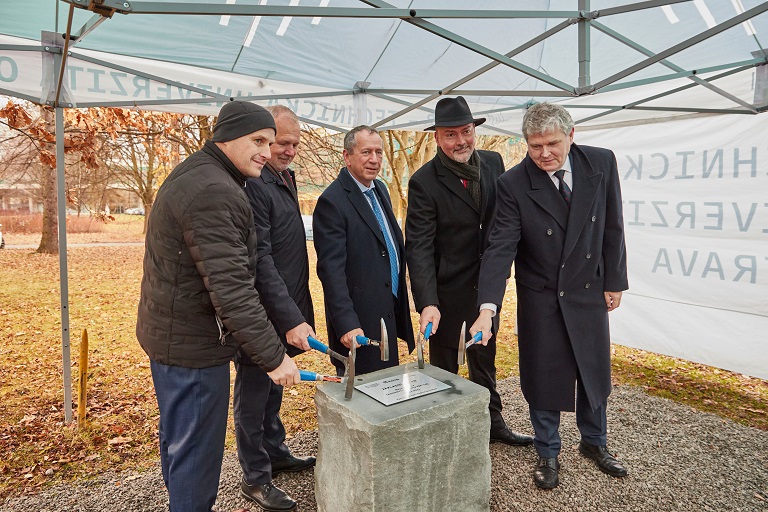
pixel 239 118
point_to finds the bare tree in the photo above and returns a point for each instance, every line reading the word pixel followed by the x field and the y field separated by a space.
pixel 405 152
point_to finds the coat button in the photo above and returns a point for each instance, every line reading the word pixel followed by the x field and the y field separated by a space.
pixel 562 294
pixel 589 255
pixel 562 266
pixel 594 218
pixel 389 315
pixel 586 285
pixel 384 253
pixel 549 232
pixel 475 287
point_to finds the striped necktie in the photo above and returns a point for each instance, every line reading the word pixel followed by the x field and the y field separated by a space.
pixel 390 247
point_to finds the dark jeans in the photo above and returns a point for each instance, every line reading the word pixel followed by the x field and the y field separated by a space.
pixel 193 404
pixel 259 432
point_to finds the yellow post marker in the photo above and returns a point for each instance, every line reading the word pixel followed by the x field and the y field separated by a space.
pixel 83 380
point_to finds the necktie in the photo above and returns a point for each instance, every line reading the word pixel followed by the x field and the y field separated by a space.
pixel 563 187
pixel 390 248
pixel 285 176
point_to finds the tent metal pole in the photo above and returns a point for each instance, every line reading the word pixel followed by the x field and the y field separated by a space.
pixel 648 53
pixel 149 76
pixel 650 4
pixel 634 104
pixel 477 48
pixel 584 45
pixel 450 88
pixel 63 272
pixel 390 11
pixel 28 97
pixel 736 20
pixel 741 65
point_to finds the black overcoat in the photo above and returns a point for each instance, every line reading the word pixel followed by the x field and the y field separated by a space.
pixel 353 266
pixel 446 234
pixel 282 276
pixel 564 262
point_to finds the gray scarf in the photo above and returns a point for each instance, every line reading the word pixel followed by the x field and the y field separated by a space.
pixel 469 171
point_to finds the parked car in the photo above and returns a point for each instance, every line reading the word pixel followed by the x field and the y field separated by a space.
pixel 307 219
pixel 2 240
pixel 135 211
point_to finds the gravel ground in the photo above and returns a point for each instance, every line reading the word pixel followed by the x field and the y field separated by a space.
pixel 679 459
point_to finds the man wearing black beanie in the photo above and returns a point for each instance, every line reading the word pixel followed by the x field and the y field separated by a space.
pixel 199 304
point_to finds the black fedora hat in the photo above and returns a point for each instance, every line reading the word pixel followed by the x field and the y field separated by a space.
pixel 454 112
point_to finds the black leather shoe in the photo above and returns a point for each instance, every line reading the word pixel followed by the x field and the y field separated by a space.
pixel 506 436
pixel 268 497
pixel 546 474
pixel 291 464
pixel 605 461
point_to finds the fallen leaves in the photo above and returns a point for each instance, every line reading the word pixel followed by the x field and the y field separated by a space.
pixel 119 440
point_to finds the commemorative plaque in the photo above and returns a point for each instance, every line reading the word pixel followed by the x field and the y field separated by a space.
pixel 399 388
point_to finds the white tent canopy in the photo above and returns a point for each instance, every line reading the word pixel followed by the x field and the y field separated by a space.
pixel 346 62
pixel 675 87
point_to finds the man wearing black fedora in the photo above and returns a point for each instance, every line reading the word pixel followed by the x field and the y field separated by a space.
pixel 451 204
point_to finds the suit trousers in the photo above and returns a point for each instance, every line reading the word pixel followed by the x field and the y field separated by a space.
pixel 194 404
pixel 592 425
pixel 481 362
pixel 259 433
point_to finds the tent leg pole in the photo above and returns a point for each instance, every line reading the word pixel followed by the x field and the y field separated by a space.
pixel 584 47
pixel 63 274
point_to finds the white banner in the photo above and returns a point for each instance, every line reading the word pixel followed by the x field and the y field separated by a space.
pixel 696 215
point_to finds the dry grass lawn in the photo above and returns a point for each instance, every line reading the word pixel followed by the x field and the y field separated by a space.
pixel 37 448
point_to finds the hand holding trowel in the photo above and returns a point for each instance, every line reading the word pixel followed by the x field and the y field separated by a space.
pixel 464 344
pixel 383 343
pixel 349 364
pixel 420 344
pixel 306 375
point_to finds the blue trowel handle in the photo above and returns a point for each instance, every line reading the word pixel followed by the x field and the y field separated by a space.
pixel 362 340
pixel 312 377
pixel 307 375
pixel 428 331
pixel 477 337
pixel 317 345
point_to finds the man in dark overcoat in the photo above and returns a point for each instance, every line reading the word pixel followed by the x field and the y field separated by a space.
pixel 451 202
pixel 282 280
pixel 559 218
pixel 360 256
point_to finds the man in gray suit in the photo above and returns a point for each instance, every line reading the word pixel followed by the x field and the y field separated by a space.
pixel 559 218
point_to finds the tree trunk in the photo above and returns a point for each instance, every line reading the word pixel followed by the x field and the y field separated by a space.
pixel 49 241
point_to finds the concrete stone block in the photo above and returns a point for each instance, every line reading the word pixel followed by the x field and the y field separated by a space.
pixel 427 454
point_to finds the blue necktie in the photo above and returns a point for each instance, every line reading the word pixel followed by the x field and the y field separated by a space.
pixel 390 248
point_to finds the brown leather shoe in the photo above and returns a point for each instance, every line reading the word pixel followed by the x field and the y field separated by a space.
pixel 546 474
pixel 605 461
